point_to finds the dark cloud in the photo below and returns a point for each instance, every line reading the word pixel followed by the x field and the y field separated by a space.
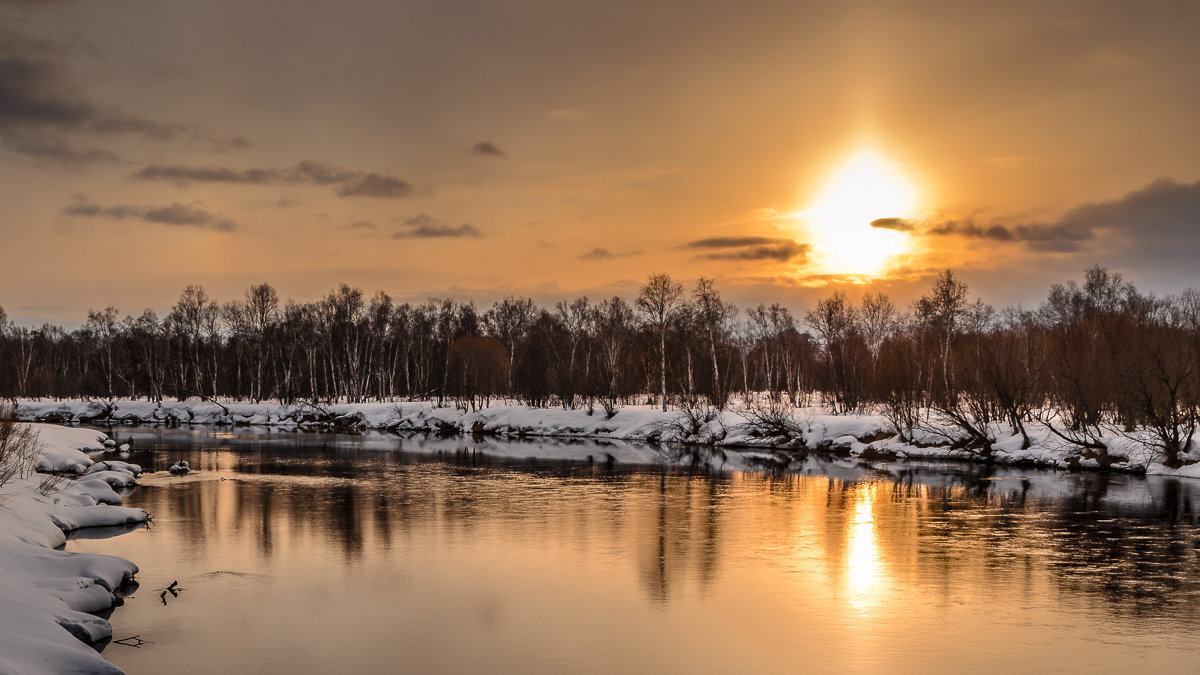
pixel 376 185
pixel 185 215
pixel 320 173
pixel 782 251
pixel 350 183
pixel 54 148
pixel 486 148
pixel 897 224
pixel 436 231
pixel 1164 211
pixel 732 242
pixel 751 248
pixel 40 99
pixel 1057 237
pixel 1163 207
pixel 185 175
pixel 424 226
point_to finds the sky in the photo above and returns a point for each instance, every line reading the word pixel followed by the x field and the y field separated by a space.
pixel 555 149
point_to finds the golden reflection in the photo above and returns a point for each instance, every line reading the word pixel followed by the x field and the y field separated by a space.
pixel 864 570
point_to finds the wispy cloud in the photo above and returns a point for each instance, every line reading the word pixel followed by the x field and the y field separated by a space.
pixel 348 182
pixel 751 248
pixel 424 226
pixel 176 213
pixel 605 254
pixel 42 101
pixel 487 149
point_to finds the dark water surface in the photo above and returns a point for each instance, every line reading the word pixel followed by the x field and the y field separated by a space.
pixel 307 553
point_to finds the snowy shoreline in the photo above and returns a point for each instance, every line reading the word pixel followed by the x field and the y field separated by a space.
pixel 49 597
pixel 854 435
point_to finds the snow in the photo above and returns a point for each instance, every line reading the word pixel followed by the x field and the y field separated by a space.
pixel 48 596
pixel 813 427
pixel 64 449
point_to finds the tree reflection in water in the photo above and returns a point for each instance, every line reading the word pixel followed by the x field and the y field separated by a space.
pixel 825 547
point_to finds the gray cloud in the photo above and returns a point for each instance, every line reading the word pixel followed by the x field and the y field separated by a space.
pixel 783 251
pixel 1163 211
pixel 1163 207
pixel 486 148
pixel 751 248
pixel 376 185
pixel 40 99
pixel 185 175
pixel 605 254
pixel 732 242
pixel 1056 237
pixel 424 226
pixel 178 214
pixel 54 148
pixel 897 224
pixel 350 183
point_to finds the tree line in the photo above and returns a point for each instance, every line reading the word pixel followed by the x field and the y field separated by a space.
pixel 1094 355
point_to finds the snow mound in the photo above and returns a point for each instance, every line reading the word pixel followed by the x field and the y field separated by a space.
pixel 48 597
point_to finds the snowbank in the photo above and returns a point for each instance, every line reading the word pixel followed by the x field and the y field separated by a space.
pixel 48 596
pixel 864 435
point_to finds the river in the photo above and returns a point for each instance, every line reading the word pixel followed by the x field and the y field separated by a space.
pixel 370 553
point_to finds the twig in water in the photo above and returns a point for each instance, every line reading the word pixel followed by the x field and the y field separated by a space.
pixel 134 641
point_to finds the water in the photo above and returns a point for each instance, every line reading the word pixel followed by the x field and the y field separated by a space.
pixel 372 554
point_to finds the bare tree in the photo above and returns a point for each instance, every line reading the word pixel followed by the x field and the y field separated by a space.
pixel 713 315
pixel 943 309
pixel 659 301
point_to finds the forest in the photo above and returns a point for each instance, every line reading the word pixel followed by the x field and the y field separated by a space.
pixel 1095 355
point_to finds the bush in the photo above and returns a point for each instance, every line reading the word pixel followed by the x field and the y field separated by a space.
pixel 18 448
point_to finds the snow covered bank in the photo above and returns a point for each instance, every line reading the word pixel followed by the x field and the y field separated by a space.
pixel 862 435
pixel 48 596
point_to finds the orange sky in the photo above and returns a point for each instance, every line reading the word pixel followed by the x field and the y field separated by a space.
pixel 554 148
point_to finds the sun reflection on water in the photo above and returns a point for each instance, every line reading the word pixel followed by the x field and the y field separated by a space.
pixel 864 571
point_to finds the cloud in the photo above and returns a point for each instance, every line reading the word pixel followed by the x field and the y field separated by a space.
pixel 177 214
pixel 597 254
pixel 184 175
pixel 375 185
pixel 897 224
pixel 1057 237
pixel 783 251
pixel 361 225
pixel 41 99
pixel 424 226
pixel 350 183
pixel 751 248
pixel 486 148
pixel 732 242
pixel 54 148
pixel 1163 207
pixel 1163 216
pixel 605 254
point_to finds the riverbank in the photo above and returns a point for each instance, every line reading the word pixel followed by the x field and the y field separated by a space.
pixel 737 428
pixel 49 598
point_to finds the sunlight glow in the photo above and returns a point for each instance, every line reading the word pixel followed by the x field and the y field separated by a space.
pixel 867 187
pixel 864 572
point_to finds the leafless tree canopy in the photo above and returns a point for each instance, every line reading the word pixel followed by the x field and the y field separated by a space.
pixel 1096 356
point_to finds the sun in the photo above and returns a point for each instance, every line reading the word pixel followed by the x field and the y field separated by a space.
pixel 865 188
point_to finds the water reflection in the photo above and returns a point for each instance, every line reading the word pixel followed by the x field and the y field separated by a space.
pixel 863 569
pixel 455 558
